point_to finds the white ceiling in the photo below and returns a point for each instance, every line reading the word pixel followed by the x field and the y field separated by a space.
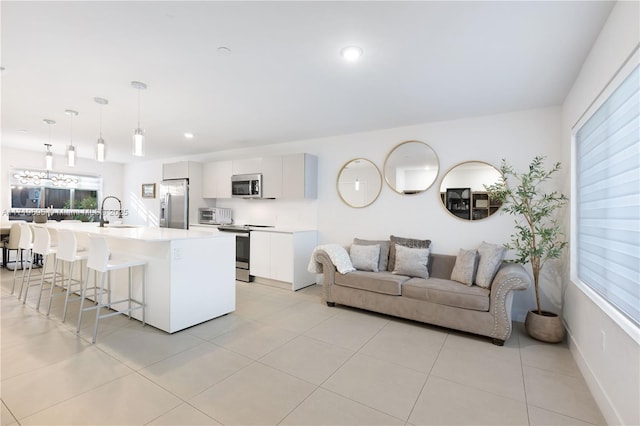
pixel 284 79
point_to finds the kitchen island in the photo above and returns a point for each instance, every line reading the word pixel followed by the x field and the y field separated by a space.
pixel 190 274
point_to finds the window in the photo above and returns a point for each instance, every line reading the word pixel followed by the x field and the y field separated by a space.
pixel 65 196
pixel 607 198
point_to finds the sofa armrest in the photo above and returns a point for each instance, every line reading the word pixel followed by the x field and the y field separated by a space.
pixel 511 276
pixel 328 273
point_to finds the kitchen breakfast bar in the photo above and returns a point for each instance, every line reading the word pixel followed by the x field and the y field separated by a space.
pixel 190 275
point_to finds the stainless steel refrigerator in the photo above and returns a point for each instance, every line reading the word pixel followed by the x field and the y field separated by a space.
pixel 174 203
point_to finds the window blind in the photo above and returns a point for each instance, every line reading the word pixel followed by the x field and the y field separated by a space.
pixel 608 199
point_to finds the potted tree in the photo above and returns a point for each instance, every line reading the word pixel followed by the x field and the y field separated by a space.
pixel 537 237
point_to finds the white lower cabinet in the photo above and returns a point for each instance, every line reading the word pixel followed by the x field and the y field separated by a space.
pixel 283 256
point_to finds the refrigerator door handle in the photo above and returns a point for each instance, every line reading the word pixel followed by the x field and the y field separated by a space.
pixel 167 210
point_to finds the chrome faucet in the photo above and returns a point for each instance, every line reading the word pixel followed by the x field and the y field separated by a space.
pixel 102 221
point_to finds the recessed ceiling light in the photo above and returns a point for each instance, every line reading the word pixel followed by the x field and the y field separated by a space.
pixel 188 135
pixel 351 53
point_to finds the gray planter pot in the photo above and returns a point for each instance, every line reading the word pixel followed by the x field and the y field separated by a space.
pixel 547 327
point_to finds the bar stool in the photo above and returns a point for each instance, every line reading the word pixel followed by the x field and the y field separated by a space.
pixel 10 244
pixel 68 252
pixel 42 247
pixel 102 261
pixel 25 243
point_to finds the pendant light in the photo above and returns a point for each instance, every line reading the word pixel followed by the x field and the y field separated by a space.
pixel 138 133
pixel 48 156
pixel 100 146
pixel 71 150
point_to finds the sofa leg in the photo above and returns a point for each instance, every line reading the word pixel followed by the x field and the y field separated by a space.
pixel 497 342
pixel 331 304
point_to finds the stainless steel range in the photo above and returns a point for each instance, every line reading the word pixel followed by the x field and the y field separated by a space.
pixel 243 248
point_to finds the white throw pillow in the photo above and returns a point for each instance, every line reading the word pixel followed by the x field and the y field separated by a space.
pixel 491 257
pixel 411 261
pixel 365 257
pixel 464 271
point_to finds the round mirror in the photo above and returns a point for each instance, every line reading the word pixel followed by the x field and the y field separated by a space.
pixel 411 167
pixel 359 183
pixel 463 193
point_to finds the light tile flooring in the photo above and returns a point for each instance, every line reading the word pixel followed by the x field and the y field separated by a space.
pixel 280 358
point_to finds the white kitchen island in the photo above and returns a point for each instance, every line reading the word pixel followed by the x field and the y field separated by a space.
pixel 190 274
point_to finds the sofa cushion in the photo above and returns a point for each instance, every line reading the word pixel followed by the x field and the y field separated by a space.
pixel 383 261
pixel 447 292
pixel 411 261
pixel 379 282
pixel 491 256
pixel 406 242
pixel 464 271
pixel 365 258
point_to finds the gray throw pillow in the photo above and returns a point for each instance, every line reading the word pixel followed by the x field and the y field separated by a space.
pixel 406 242
pixel 464 271
pixel 365 258
pixel 411 261
pixel 491 257
pixel 383 262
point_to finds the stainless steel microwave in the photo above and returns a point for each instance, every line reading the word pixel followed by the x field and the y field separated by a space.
pixel 246 186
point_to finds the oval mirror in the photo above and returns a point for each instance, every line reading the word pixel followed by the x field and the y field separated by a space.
pixel 462 190
pixel 411 167
pixel 359 183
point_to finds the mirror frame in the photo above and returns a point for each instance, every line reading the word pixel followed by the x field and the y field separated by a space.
pixel 343 168
pixel 442 202
pixel 394 149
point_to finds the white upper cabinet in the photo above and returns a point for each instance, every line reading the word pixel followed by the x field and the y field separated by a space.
pixel 299 176
pixel 216 179
pixel 247 166
pixel 272 177
pixel 293 176
pixel 180 170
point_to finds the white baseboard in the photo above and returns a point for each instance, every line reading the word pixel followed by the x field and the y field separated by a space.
pixel 599 394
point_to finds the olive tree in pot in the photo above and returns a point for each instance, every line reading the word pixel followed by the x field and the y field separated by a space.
pixel 537 237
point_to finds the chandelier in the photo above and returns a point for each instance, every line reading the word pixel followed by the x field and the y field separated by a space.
pixel 31 177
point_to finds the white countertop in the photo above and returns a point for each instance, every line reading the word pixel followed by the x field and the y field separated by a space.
pixel 277 229
pixel 134 232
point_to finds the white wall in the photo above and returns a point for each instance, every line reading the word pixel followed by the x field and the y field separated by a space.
pixel 608 357
pixel 517 136
pixel 112 173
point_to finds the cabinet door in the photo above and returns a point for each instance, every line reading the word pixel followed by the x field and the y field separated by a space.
pixel 178 170
pixel 299 176
pixel 209 184
pixel 223 178
pixel 272 177
pixel 247 165
pixel 282 257
pixel 260 254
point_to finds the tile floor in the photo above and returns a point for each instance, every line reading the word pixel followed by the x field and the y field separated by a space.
pixel 281 358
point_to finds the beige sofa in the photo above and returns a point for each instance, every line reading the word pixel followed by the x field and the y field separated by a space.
pixel 435 300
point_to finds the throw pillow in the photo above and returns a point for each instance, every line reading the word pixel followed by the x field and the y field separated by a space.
pixel 365 258
pixel 491 257
pixel 411 261
pixel 405 242
pixel 464 271
pixel 384 251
